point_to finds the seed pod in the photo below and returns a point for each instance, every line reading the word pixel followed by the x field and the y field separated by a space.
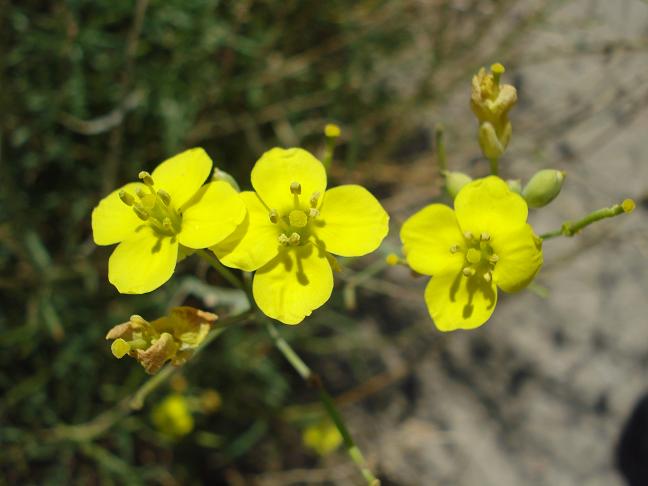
pixel 543 187
pixel 455 181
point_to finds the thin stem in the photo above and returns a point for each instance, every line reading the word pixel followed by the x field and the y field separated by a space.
pixel 225 272
pixel 570 228
pixel 439 132
pixel 494 166
pixel 327 401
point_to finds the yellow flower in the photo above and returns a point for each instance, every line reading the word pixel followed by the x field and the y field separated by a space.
pixel 485 243
pixel 293 225
pixel 168 211
pixel 323 437
pixel 172 416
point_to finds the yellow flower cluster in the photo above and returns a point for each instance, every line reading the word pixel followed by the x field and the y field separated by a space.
pixel 287 229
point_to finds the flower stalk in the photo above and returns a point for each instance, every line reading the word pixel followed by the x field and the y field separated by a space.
pixel 327 401
pixel 570 228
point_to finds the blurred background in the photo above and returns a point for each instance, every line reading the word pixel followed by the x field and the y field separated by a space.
pixel 91 92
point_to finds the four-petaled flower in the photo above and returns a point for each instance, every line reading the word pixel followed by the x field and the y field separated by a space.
pixel 485 243
pixel 170 210
pixel 293 225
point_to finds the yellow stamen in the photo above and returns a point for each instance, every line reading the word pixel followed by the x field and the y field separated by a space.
pixel 313 213
pixel 165 197
pixel 295 188
pixel 126 198
pixel 454 248
pixel 493 258
pixel 274 216
pixel 283 239
pixel 314 199
pixel 468 235
pixel 141 212
pixel 146 178
pixel 469 271
pixel 485 236
pixel 488 277
pixel 294 239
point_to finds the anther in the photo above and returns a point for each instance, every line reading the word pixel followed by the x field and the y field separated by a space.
pixel 493 258
pixel 274 216
pixel 294 239
pixel 283 239
pixel 295 188
pixel 140 193
pixel 484 236
pixel 298 218
pixel 454 248
pixel 164 196
pixel 488 277
pixel 126 198
pixel 469 271
pixel 141 212
pixel 468 235
pixel 314 199
pixel 146 178
pixel 313 213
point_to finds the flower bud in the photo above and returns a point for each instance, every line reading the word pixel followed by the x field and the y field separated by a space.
pixel 331 130
pixel 221 175
pixel 543 187
pixel 455 181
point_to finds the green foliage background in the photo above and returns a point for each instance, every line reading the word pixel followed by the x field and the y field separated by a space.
pixel 91 93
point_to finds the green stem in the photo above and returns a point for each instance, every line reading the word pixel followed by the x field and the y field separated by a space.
pixel 439 143
pixel 225 272
pixel 494 166
pixel 570 228
pixel 327 401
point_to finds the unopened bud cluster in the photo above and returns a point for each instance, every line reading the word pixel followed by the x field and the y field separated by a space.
pixel 491 102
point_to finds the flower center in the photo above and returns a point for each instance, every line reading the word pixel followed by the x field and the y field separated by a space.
pixel 294 224
pixel 155 207
pixel 480 260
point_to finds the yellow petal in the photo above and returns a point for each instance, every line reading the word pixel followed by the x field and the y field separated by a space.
pixel 255 241
pixel 296 282
pixel 113 220
pixel 278 168
pixel 459 302
pixel 143 262
pixel 352 222
pixel 182 175
pixel 489 206
pixel 211 215
pixel 428 235
pixel 520 258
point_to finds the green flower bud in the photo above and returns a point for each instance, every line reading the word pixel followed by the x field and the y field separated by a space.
pixel 221 175
pixel 543 187
pixel 515 185
pixel 455 181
